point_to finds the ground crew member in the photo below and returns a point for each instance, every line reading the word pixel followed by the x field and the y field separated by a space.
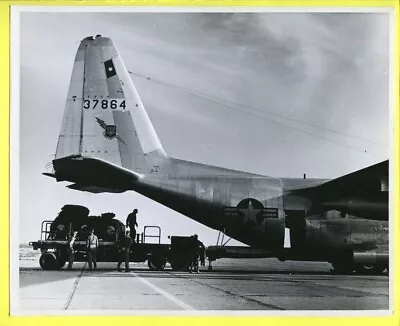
pixel 92 243
pixel 195 254
pixel 202 252
pixel 71 250
pixel 198 253
pixel 124 251
pixel 131 223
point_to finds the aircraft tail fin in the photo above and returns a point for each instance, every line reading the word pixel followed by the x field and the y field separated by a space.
pixel 104 117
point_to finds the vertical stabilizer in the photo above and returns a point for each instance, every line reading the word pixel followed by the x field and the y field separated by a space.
pixel 104 117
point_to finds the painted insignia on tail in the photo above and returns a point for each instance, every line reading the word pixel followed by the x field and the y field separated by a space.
pixel 110 131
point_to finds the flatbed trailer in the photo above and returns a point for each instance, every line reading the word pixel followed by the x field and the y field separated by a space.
pixel 55 252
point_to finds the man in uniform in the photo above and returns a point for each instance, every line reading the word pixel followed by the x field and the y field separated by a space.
pixel 71 250
pixel 194 253
pixel 131 223
pixel 202 252
pixel 92 243
pixel 124 251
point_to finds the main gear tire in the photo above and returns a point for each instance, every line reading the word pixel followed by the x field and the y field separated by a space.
pixel 370 269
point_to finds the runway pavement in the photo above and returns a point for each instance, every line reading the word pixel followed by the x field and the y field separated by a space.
pixel 234 285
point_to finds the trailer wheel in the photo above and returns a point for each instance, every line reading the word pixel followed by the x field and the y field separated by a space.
pixel 61 262
pixel 180 263
pixel 62 257
pixel 156 262
pixel 48 261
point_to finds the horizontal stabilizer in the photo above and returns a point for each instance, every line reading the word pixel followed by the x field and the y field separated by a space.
pixel 95 172
pixel 93 189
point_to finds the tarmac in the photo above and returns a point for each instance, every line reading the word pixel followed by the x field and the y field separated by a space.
pixel 234 285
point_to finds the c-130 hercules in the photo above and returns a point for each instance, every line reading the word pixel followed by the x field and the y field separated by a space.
pixel 108 144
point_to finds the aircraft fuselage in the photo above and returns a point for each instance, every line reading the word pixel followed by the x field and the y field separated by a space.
pixel 250 208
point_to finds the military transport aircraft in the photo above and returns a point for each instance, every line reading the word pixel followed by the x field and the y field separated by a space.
pixel 108 144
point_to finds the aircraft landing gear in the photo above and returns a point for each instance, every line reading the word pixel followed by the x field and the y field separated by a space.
pixel 370 269
pixel 347 267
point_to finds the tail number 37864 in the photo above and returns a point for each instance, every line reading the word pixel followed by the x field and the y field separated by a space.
pixel 113 104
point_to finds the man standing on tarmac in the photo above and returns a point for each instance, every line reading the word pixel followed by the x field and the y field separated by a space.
pixel 202 252
pixel 92 243
pixel 71 250
pixel 131 223
pixel 198 252
pixel 124 251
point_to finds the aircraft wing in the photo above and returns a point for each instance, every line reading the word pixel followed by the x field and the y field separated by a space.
pixel 93 174
pixel 363 193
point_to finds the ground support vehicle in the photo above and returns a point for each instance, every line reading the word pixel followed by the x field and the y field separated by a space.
pixel 55 252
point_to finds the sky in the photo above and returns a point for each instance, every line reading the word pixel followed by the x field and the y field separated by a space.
pixel 279 94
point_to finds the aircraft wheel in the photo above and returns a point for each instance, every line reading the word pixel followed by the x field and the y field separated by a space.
pixel 48 261
pixel 380 268
pixel 156 262
pixel 370 269
pixel 180 263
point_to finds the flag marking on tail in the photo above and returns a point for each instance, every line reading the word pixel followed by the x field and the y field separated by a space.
pixel 110 69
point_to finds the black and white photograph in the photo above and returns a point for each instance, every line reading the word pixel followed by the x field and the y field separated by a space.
pixel 201 161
